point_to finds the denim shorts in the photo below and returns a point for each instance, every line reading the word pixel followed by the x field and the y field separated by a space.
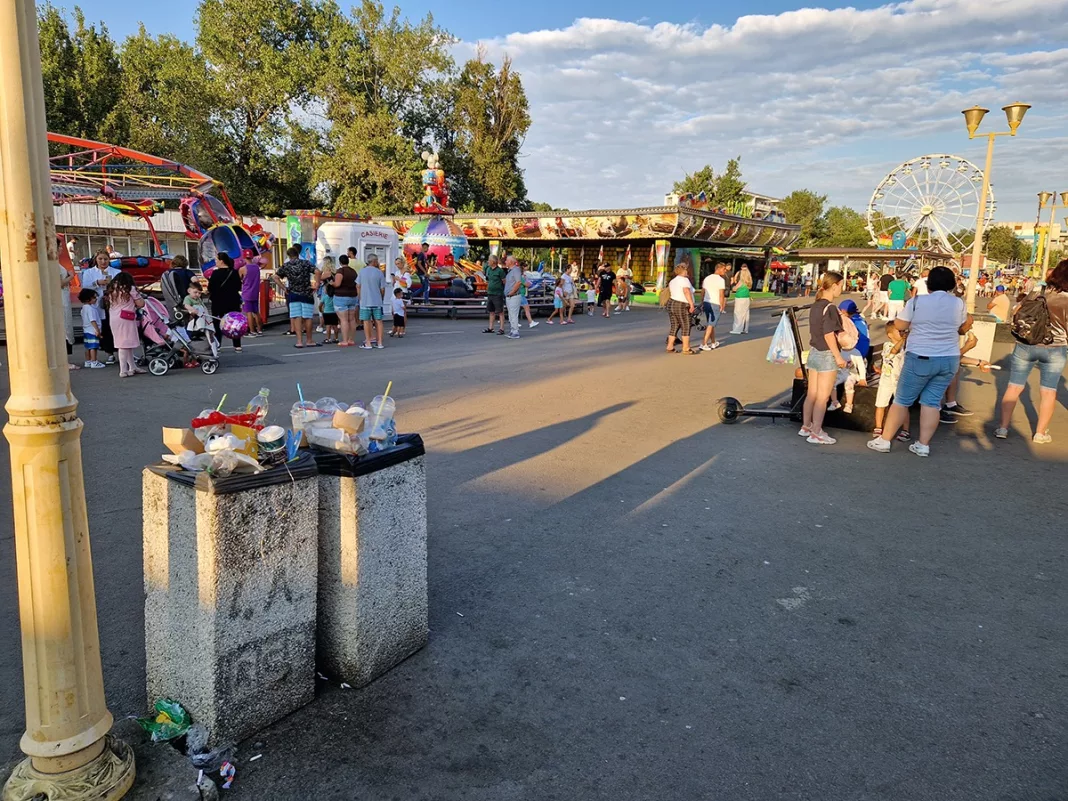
pixel 1050 361
pixel 301 311
pixel 925 379
pixel 523 300
pixel 712 313
pixel 344 304
pixel 821 361
pixel 370 312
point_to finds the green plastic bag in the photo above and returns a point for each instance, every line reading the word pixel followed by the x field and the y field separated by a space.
pixel 170 721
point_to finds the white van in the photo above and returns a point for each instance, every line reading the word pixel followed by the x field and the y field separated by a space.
pixel 335 238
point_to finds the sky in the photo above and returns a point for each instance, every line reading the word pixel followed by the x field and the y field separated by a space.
pixel 627 97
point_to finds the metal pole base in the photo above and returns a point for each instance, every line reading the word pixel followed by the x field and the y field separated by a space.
pixel 107 778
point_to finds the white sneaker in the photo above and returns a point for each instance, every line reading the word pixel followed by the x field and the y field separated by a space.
pixel 879 444
pixel 318 329
pixel 96 365
pixel 87 364
pixel 1042 438
pixel 1001 433
pixel 804 432
pixel 534 324
pixel 704 347
pixel 822 438
pixel 713 346
pixel 920 449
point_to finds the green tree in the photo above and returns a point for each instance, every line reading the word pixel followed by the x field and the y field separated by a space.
pixel 845 227
pixel 82 76
pixel 694 183
pixel 730 188
pixel 382 107
pixel 263 57
pixel 160 77
pixel 489 119
pixel 1002 245
pixel 805 208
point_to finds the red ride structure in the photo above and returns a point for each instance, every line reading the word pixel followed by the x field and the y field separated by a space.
pixel 136 184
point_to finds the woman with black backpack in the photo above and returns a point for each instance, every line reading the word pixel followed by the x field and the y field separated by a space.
pixel 1042 340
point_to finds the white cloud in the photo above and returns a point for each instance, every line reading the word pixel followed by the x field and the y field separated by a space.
pixel 828 99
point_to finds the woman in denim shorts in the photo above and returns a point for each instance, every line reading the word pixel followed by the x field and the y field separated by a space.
pixel 1050 359
pixel 935 323
pixel 824 358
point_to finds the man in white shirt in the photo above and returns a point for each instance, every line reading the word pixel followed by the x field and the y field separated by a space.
pixel 919 286
pixel 714 303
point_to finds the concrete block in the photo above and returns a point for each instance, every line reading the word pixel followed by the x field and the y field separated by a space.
pixel 230 593
pixel 372 571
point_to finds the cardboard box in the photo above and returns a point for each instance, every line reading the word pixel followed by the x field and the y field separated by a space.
pixel 351 424
pixel 178 440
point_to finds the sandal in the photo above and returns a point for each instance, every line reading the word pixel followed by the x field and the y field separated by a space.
pixel 903 436
pixel 690 352
pixel 298 345
pixel 876 433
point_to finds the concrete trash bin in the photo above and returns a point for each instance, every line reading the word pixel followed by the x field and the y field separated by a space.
pixel 372 605
pixel 230 593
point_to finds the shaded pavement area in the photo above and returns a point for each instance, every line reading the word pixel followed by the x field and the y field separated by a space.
pixel 629 600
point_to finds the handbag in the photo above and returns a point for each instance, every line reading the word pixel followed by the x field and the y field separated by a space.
pixel 127 314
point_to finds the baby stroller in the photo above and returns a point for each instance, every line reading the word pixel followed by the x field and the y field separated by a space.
pixel 167 345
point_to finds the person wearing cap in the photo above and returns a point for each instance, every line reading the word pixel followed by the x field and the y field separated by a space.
pixel 1000 305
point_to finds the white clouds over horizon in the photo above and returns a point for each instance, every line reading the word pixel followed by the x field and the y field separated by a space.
pixel 823 99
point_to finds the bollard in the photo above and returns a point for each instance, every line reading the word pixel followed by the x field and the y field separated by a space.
pixel 230 593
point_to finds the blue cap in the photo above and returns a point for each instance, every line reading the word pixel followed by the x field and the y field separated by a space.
pixel 999 288
pixel 848 306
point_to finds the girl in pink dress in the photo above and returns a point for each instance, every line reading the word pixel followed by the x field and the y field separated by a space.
pixel 123 303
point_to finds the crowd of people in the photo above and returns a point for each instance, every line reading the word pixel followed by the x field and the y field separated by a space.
pixel 680 299
pixel 928 337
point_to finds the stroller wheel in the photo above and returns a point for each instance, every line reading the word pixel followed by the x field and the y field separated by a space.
pixel 158 366
pixel 209 366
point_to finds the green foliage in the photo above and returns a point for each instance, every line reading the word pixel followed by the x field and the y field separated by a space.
pixel 730 188
pixel 81 75
pixel 703 180
pixel 805 208
pixel 293 103
pixel 724 190
pixel 489 121
pixel 846 228
pixel 1002 245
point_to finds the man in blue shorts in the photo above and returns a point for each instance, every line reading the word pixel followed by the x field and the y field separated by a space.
pixel 371 284
pixel 301 279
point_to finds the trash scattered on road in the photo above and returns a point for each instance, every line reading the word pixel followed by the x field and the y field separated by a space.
pixel 227 773
pixel 459 614
pixel 170 721
pixel 253 759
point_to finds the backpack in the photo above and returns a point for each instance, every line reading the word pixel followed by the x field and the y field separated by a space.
pixel 849 336
pixel 1030 324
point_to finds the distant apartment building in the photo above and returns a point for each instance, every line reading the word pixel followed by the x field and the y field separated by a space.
pixel 1026 231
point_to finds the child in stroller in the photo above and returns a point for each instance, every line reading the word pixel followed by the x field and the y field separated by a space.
pixel 168 345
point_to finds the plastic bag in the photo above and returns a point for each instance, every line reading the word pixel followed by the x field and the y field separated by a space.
pixel 171 721
pixel 783 349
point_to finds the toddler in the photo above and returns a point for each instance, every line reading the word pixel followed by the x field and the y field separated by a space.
pixel 92 319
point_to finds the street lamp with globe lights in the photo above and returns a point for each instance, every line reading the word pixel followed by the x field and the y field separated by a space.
pixel 1014 113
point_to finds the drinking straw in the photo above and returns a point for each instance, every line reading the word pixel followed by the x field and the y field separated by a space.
pixel 383 403
pixel 300 394
pixel 221 402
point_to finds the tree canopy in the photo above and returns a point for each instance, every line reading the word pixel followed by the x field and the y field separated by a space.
pixel 1001 244
pixel 805 208
pixel 721 189
pixel 295 103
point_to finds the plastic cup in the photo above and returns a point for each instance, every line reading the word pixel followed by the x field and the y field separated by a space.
pixel 303 414
pixel 382 411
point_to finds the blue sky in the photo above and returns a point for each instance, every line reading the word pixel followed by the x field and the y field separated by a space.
pixel 627 96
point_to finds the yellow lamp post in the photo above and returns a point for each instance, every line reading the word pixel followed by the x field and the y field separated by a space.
pixel 972 117
pixel 69 753
pixel 1049 199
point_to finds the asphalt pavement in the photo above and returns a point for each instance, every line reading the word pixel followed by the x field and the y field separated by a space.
pixel 632 601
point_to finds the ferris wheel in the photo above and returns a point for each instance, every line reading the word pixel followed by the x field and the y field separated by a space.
pixel 928 203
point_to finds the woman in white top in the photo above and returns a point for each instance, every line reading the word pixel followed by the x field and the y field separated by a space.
pixel 743 284
pixel 680 307
pixel 935 323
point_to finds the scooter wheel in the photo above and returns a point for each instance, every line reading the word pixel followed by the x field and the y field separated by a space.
pixel 209 366
pixel 158 366
pixel 729 410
